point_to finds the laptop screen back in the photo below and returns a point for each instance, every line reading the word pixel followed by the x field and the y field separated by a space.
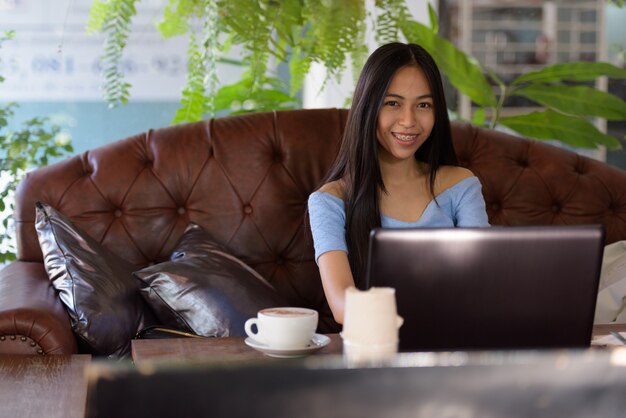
pixel 490 288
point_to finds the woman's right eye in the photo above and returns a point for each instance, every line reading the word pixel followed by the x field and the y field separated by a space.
pixel 391 103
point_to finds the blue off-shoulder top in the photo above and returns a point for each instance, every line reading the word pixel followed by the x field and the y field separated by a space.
pixel 461 205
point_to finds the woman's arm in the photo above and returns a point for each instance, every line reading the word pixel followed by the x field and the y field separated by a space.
pixel 327 218
pixel 336 278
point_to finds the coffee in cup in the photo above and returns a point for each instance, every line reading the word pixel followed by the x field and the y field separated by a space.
pixel 283 328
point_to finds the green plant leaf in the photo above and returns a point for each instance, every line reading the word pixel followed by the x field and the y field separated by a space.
pixel 574 71
pixel 97 15
pixel 21 149
pixel 6 35
pixel 299 65
pixel 551 125
pixel 338 28
pixel 175 18
pixel 576 100
pixel 465 74
pixel 240 98
pixel 434 20
pixel 194 100
pixel 389 15
pixel 478 118
pixel 113 18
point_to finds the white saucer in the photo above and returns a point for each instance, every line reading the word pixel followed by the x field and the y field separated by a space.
pixel 317 342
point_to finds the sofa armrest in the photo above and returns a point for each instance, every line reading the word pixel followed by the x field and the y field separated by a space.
pixel 32 317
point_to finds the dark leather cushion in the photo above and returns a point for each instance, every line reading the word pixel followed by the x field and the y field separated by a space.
pixel 205 290
pixel 96 286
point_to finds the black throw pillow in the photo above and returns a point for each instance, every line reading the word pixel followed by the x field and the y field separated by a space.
pixel 205 290
pixel 95 285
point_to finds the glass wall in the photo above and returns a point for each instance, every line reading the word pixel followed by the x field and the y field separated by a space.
pixel 52 68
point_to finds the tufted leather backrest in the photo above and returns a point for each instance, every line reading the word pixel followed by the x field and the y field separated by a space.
pixel 529 182
pixel 246 180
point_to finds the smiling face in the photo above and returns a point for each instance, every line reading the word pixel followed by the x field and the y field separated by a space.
pixel 407 115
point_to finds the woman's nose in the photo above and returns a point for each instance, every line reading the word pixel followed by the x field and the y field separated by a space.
pixel 407 118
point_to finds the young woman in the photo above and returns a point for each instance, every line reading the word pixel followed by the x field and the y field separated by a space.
pixel 396 168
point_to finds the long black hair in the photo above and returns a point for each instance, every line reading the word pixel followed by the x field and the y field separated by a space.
pixel 357 163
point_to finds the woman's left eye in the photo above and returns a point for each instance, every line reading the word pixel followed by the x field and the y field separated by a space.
pixel 424 105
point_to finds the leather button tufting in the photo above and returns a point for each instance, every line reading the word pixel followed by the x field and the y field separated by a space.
pixel 247 209
pixel 181 211
pixel 495 206
pixel 556 207
pixel 117 213
pixel 280 261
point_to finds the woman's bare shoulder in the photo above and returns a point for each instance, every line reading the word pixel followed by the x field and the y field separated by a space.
pixel 449 175
pixel 334 188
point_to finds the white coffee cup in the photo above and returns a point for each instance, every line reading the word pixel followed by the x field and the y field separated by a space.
pixel 283 328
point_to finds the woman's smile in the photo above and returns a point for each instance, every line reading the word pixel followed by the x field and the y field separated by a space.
pixel 404 137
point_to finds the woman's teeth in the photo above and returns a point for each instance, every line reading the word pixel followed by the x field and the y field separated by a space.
pixel 404 138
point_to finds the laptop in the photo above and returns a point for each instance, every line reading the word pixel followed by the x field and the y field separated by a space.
pixel 490 288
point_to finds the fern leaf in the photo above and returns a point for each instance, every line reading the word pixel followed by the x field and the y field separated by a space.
pixel 335 25
pixel 194 100
pixel 260 28
pixel 299 65
pixel 391 14
pixel 97 15
pixel 115 25
pixel 210 50
pixel 359 52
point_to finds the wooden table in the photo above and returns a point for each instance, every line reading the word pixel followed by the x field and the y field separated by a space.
pixel 234 348
pixel 222 349
pixel 43 386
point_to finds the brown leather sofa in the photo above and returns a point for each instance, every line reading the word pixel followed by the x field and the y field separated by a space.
pixel 246 180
